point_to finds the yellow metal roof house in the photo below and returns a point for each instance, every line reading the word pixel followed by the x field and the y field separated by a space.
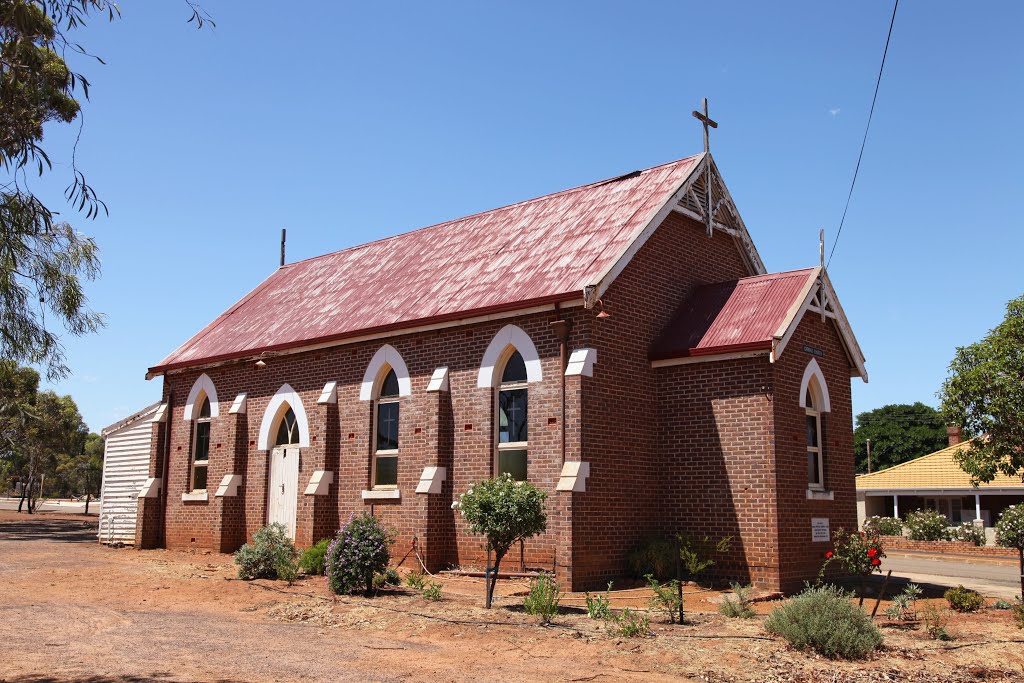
pixel 936 482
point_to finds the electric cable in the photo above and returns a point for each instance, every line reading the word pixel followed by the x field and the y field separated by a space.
pixel 864 142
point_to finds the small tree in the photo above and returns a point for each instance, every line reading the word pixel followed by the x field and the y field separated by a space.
pixel 1010 534
pixel 984 393
pixel 503 511
pixel 696 555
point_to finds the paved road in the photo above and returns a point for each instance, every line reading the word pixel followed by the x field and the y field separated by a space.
pixel 55 506
pixel 995 578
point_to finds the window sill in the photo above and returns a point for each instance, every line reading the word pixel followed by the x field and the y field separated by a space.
pixel 382 494
pixel 820 494
pixel 195 497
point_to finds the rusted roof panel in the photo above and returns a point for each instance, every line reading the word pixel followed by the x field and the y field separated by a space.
pixel 731 316
pixel 541 250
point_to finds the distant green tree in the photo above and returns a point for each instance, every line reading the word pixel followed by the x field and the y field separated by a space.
pixel 899 432
pixel 81 472
pixel 985 393
pixel 55 431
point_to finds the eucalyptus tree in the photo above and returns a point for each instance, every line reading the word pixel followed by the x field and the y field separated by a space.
pixel 44 261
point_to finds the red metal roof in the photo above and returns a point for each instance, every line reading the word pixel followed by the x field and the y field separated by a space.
pixel 537 251
pixel 730 316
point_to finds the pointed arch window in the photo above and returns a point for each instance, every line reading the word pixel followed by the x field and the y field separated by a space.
pixel 385 452
pixel 288 430
pixel 201 447
pixel 512 404
pixel 815 445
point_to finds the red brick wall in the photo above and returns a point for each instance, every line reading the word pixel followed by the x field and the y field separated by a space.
pixel 716 430
pixel 455 430
pixel 958 547
pixel 623 502
pixel 801 559
pixel 689 447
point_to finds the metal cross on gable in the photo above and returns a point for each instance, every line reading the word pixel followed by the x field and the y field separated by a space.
pixel 707 122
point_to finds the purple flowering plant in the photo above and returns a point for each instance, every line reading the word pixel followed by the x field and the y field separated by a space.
pixel 361 549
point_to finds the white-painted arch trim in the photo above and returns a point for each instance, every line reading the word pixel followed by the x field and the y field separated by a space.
pixel 813 370
pixel 203 385
pixel 509 336
pixel 386 356
pixel 275 409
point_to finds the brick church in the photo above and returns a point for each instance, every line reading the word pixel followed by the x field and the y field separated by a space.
pixel 619 345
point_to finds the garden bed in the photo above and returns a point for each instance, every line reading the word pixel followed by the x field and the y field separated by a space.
pixel 73 610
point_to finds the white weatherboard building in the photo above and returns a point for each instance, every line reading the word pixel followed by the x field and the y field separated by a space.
pixel 125 473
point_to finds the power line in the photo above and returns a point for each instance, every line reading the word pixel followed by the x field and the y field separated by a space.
pixel 864 142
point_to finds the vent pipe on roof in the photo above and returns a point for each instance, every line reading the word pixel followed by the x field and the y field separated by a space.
pixel 284 232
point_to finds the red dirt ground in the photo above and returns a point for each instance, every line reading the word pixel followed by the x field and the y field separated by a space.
pixel 73 610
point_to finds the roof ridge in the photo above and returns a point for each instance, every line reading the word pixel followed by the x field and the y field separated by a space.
pixel 763 276
pixel 578 188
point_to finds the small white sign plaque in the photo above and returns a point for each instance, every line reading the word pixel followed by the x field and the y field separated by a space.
pixel 819 530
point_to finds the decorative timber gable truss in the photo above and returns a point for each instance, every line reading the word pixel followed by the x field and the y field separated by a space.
pixel 819 298
pixel 688 200
pixel 724 214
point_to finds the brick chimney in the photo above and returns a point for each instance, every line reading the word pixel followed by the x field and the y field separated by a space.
pixel 954 435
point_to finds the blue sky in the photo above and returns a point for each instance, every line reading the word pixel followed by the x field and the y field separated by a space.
pixel 347 122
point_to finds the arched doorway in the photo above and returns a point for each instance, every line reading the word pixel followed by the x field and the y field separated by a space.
pixel 283 483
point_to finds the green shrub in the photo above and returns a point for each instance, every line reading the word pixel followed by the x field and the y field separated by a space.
pixel 935 623
pixel 416 581
pixel 313 559
pixel 927 525
pixel 883 526
pixel 360 550
pixel 823 619
pixel 654 556
pixel 392 577
pixel 737 605
pixel 964 599
pixel 432 591
pixel 1018 613
pixel 599 606
pixel 630 624
pixel 666 597
pixel 1002 604
pixel 904 605
pixel 542 600
pixel 287 570
pixel 966 533
pixel 270 550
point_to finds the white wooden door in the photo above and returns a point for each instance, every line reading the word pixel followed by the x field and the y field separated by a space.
pixel 283 494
